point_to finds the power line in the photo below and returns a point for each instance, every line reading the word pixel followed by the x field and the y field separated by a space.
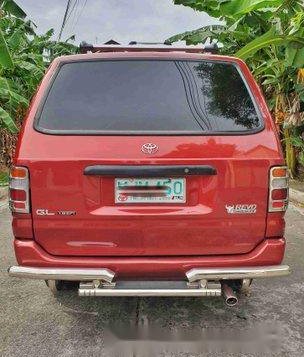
pixel 69 16
pixel 74 7
pixel 79 15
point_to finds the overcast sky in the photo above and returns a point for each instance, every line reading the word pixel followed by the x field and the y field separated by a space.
pixel 123 20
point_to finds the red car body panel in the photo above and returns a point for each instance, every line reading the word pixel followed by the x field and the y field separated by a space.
pixel 128 238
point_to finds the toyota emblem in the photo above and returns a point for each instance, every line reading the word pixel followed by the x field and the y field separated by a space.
pixel 149 148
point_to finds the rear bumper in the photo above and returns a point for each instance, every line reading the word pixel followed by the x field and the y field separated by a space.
pixel 106 275
pixel 268 253
pixel 201 282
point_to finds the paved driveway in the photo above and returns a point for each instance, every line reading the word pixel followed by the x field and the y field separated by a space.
pixel 34 323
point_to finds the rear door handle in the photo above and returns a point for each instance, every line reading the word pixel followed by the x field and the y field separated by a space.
pixel 149 170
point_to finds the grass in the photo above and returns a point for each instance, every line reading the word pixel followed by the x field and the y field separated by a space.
pixel 3 178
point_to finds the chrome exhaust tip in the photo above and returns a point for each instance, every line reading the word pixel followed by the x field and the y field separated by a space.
pixel 229 295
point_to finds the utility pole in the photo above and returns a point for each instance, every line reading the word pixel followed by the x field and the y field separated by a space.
pixel 64 19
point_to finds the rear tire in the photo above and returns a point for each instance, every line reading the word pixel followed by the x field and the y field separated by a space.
pixel 246 287
pixel 243 286
pixel 54 285
pixel 61 285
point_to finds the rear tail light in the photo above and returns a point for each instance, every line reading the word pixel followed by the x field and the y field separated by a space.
pixel 278 189
pixel 19 190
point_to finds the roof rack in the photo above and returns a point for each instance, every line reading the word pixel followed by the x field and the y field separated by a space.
pixel 149 43
pixel 140 47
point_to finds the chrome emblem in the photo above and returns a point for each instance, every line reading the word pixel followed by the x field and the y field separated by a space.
pixel 46 212
pixel 241 209
pixel 149 148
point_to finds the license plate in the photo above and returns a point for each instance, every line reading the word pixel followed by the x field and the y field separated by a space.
pixel 150 190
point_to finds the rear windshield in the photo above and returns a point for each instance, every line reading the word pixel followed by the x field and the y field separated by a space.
pixel 144 97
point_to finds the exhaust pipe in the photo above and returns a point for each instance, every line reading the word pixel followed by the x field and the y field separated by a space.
pixel 229 295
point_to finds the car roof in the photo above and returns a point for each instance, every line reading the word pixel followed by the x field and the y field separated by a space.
pixel 135 52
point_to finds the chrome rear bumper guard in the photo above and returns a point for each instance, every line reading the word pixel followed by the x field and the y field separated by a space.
pixel 99 282
pixel 237 273
pixel 70 274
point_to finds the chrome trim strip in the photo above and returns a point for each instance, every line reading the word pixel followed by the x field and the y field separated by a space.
pixel 72 274
pixel 237 273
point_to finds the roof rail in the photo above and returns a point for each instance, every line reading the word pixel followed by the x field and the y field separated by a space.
pixel 135 47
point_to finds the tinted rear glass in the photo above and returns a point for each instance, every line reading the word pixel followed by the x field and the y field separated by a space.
pixel 141 96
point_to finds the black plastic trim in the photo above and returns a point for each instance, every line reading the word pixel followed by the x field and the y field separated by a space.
pixel 149 170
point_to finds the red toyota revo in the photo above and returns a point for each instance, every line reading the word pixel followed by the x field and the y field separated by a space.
pixel 149 172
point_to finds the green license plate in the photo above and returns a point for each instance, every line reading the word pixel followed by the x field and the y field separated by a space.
pixel 150 190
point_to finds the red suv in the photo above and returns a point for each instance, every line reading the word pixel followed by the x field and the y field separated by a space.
pixel 149 171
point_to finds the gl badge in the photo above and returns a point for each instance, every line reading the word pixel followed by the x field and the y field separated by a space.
pixel 46 212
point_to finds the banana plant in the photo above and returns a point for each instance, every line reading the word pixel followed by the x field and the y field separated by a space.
pixel 24 56
pixel 11 7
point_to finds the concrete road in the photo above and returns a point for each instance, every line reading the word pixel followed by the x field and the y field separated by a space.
pixel 34 323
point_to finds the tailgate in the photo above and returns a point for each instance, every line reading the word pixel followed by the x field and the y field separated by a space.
pixel 220 213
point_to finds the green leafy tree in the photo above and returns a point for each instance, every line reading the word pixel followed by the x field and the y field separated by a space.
pixel 24 56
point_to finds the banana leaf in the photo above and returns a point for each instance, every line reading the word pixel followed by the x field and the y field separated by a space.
pixel 12 8
pixel 8 121
pixel 5 56
pixel 241 7
pixel 264 41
